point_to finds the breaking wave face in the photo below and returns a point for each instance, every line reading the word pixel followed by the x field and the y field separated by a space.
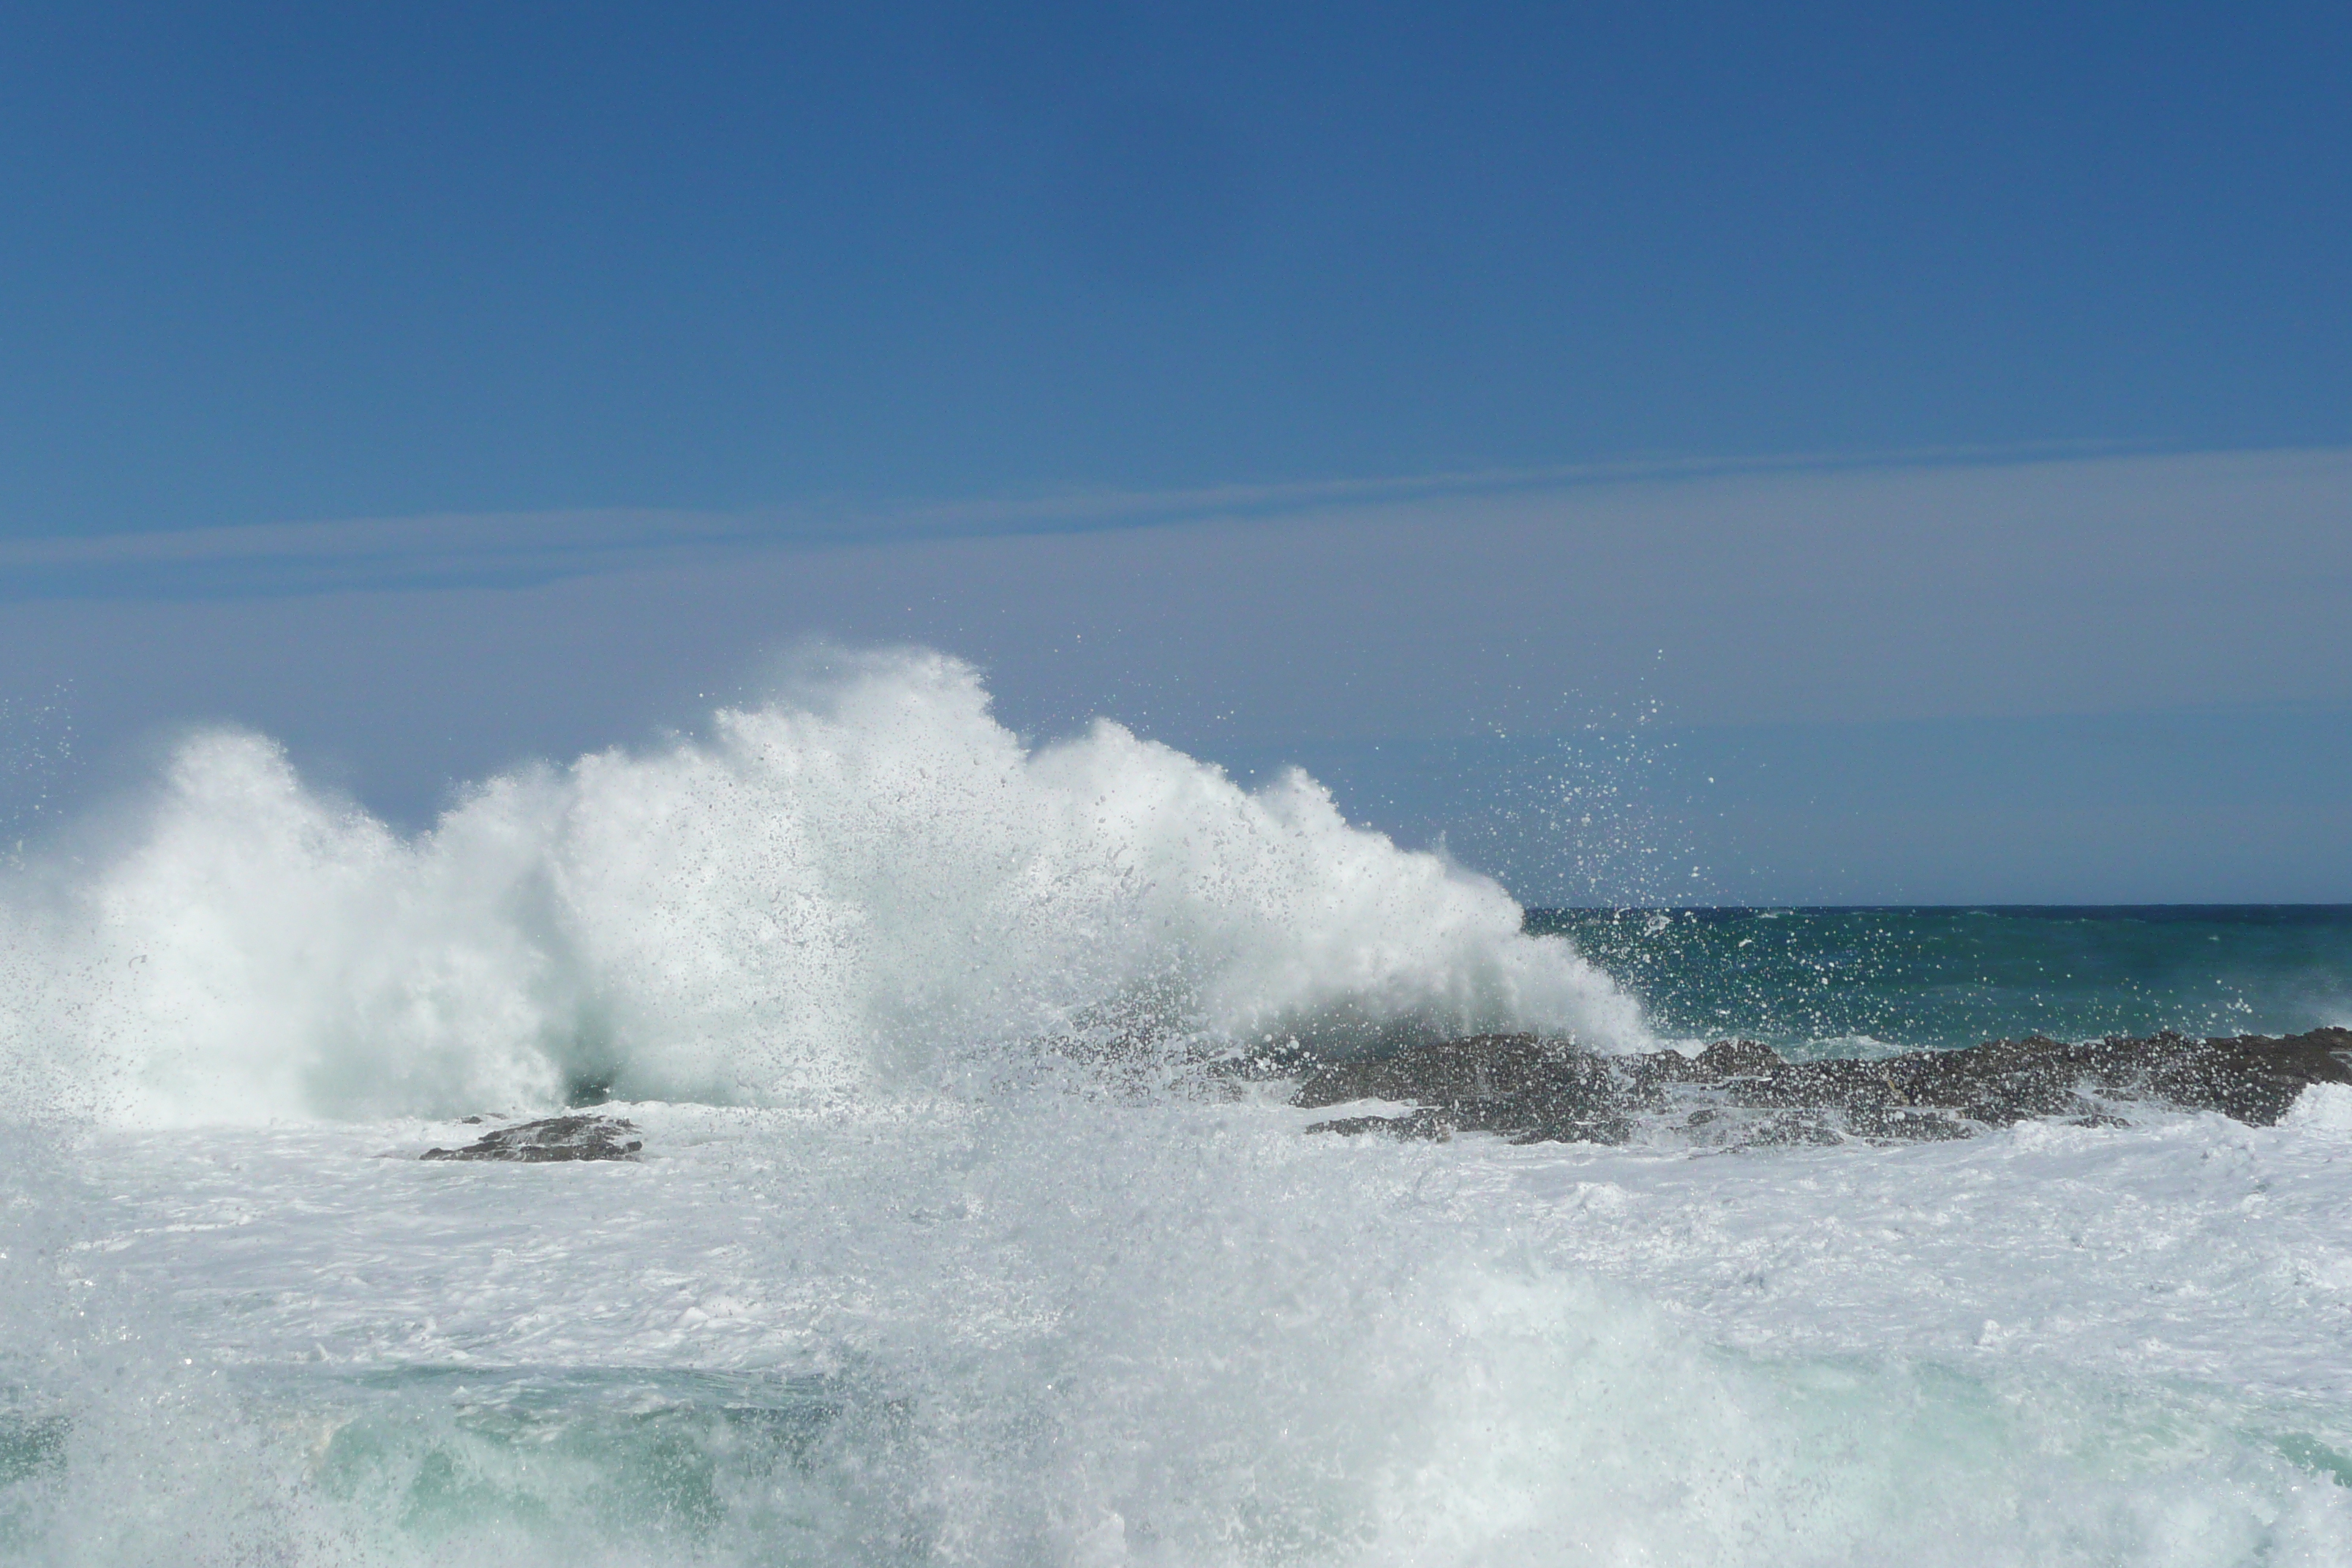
pixel 830 894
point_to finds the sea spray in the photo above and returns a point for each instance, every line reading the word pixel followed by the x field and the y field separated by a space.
pixel 936 1252
pixel 814 900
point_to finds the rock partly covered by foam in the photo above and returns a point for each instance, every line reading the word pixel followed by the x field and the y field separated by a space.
pixel 1535 1090
pixel 555 1138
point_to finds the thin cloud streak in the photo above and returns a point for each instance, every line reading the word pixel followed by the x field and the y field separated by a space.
pixel 2078 586
pixel 1357 634
pixel 514 549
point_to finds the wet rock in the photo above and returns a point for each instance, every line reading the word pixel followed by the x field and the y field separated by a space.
pixel 1514 1084
pixel 555 1138
pixel 1737 1091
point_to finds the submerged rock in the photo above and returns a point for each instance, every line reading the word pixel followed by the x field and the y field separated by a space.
pixel 1535 1090
pixel 556 1138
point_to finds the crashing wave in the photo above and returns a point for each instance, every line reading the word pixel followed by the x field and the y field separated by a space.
pixel 817 898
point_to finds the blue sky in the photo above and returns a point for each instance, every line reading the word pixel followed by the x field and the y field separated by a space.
pixel 372 321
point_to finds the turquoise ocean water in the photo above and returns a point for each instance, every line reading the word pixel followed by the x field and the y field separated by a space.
pixel 1843 979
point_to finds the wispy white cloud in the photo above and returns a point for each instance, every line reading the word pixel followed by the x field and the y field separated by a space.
pixel 1264 622
pixel 511 548
pixel 1447 606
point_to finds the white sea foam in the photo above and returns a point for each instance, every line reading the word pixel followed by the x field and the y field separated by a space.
pixel 893 1284
pixel 818 898
pixel 1039 1328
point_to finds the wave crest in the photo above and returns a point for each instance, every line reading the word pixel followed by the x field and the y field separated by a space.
pixel 815 898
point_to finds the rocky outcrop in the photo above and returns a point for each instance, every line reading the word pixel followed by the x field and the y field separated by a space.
pixel 1737 1091
pixel 556 1138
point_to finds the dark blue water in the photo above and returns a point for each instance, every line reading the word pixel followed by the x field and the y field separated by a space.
pixel 1842 979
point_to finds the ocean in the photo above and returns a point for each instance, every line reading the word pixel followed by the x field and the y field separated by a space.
pixel 1848 982
pixel 971 1224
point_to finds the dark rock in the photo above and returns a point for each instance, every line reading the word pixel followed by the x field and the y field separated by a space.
pixel 1514 1084
pixel 556 1138
pixel 1737 1091
pixel 1417 1124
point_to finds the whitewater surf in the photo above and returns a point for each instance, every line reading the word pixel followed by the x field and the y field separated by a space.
pixel 969 1221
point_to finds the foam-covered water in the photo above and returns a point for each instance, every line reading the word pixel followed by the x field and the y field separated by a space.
pixel 1050 1328
pixel 955 1241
